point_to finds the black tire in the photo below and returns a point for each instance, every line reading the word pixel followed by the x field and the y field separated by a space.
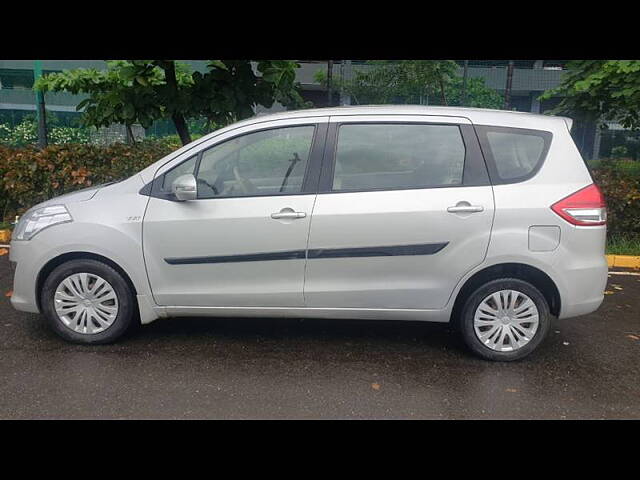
pixel 126 315
pixel 474 300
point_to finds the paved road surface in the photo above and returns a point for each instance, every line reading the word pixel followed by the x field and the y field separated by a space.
pixel 588 367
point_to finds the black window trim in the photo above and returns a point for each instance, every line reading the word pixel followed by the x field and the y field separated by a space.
pixel 474 168
pixel 481 131
pixel 309 182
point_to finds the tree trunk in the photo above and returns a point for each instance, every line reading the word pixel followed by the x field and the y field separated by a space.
pixel 330 83
pixel 181 127
pixel 465 74
pixel 507 89
pixel 130 138
pixel 169 67
pixel 443 97
pixel 41 110
pixel 42 122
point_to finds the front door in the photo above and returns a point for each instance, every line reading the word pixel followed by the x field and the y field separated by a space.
pixel 404 210
pixel 243 241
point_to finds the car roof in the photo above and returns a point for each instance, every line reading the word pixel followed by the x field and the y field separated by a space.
pixel 478 116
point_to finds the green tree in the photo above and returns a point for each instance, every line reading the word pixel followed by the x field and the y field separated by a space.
pixel 607 89
pixel 123 93
pixel 434 82
pixel 231 89
pixel 410 81
pixel 142 91
pixel 478 94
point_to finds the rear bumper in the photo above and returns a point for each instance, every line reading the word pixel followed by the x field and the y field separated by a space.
pixel 583 289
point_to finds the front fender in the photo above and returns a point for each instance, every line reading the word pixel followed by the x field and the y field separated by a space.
pixel 109 225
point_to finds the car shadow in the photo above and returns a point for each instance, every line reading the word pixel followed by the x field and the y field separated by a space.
pixel 328 333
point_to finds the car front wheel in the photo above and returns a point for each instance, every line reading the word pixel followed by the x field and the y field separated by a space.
pixel 87 301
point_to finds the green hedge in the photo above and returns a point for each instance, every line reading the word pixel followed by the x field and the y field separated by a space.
pixel 621 189
pixel 626 166
pixel 29 176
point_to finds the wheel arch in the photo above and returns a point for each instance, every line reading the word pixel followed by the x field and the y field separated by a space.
pixel 528 273
pixel 46 270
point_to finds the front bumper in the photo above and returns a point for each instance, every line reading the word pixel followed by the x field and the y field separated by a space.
pixel 25 274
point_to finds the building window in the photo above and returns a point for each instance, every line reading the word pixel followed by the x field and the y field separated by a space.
pixel 554 64
pixel 499 63
pixel 16 79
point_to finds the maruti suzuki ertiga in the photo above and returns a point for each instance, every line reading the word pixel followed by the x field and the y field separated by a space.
pixel 489 219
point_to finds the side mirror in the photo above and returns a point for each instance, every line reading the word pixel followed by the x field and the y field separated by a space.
pixel 185 187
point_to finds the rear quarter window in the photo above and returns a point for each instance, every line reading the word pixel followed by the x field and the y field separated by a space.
pixel 513 154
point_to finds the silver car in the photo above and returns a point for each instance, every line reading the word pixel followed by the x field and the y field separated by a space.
pixel 488 219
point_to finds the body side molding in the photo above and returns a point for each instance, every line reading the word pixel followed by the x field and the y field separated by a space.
pixel 316 253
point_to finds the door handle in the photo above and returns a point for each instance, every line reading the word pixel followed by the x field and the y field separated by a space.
pixel 288 213
pixel 465 207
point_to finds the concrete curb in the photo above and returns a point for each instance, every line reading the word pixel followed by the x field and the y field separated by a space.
pixel 623 261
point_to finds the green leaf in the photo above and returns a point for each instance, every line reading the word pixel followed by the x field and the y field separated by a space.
pixel 217 64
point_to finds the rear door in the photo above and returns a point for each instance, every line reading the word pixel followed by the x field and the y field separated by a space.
pixel 404 210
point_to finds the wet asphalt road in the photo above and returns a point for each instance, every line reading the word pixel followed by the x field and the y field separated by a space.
pixel 588 367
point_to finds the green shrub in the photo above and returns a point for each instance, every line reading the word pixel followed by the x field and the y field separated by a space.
pixel 623 244
pixel 29 176
pixel 625 166
pixel 26 133
pixel 619 152
pixel 174 140
pixel 628 167
pixel 622 193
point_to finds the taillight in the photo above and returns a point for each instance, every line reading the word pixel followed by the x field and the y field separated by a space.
pixel 586 207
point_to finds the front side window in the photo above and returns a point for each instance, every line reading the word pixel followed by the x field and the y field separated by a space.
pixel 267 162
pixel 396 156
pixel 185 167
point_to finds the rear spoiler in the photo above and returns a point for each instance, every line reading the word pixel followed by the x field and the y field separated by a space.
pixel 568 121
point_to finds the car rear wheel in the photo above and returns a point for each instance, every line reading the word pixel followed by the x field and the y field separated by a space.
pixel 87 301
pixel 505 319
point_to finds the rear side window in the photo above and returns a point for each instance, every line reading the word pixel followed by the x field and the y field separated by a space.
pixel 397 156
pixel 513 154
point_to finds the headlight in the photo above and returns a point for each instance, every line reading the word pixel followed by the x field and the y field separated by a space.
pixel 34 221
